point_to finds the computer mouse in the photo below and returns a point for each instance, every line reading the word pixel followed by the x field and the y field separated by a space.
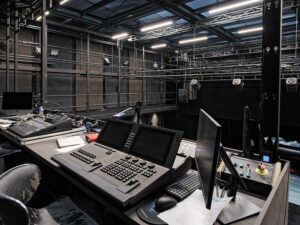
pixel 165 202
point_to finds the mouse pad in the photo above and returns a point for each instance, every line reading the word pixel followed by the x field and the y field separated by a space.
pixel 148 214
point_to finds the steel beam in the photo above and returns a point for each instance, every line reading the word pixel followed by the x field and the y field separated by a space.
pixel 144 90
pixel 270 80
pixel 44 58
pixel 96 6
pixel 188 14
pixel 135 13
pixel 78 29
pixel 87 72
pixel 119 73
pixel 7 45
pixel 16 40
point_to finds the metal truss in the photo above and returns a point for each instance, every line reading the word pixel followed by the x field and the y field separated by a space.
pixel 214 21
pixel 232 17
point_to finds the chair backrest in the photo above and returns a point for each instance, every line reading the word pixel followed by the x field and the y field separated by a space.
pixel 17 186
pixel 13 212
pixel 20 182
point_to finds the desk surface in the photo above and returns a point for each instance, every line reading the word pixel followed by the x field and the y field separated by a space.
pixel 45 149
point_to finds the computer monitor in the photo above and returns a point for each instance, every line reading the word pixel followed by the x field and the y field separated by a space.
pixel 208 150
pixel 17 102
pixel 207 153
pixel 157 145
pixel 115 133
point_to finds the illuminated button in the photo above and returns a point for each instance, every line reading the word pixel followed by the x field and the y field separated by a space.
pixel 248 175
pixel 241 173
pixel 241 165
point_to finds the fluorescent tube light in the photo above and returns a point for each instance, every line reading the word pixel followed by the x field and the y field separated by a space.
pixel 185 41
pixel 158 46
pixel 120 35
pixel 233 6
pixel 39 18
pixel 244 31
pixel 156 25
pixel 63 2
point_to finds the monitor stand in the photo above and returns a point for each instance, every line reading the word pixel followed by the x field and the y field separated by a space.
pixel 237 210
pixel 239 207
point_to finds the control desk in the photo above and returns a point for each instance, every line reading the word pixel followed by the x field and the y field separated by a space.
pixel 127 162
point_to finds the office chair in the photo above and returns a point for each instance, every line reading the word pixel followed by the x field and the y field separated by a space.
pixel 18 185
pixel 6 149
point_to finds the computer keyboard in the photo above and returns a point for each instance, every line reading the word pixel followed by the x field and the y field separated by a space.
pixel 184 186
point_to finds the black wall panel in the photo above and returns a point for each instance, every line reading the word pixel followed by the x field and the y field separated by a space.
pixel 226 102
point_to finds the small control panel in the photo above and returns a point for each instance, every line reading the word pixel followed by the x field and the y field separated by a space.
pixel 257 175
pixel 248 168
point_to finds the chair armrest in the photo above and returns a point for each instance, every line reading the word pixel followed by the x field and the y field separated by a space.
pixel 13 211
pixel 20 182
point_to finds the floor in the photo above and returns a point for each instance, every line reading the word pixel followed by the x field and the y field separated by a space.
pixel 294 199
pixel 294 192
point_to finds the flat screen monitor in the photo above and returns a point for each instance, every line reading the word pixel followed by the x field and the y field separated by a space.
pixel 155 145
pixel 115 133
pixel 17 102
pixel 207 153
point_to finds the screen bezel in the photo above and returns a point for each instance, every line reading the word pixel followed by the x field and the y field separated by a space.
pixel 98 140
pixel 171 155
pixel 208 194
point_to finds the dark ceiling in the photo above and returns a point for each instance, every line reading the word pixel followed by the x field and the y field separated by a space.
pixel 190 18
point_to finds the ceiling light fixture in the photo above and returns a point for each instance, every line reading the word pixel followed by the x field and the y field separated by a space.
pixel 39 18
pixel 249 30
pixel 158 46
pixel 63 2
pixel 156 25
pixel 47 13
pixel 193 40
pixel 120 35
pixel 232 6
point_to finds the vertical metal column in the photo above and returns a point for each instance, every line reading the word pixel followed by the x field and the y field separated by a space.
pixel 119 72
pixel 87 72
pixel 270 81
pixel 143 79
pixel 16 40
pixel 44 58
pixel 7 44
